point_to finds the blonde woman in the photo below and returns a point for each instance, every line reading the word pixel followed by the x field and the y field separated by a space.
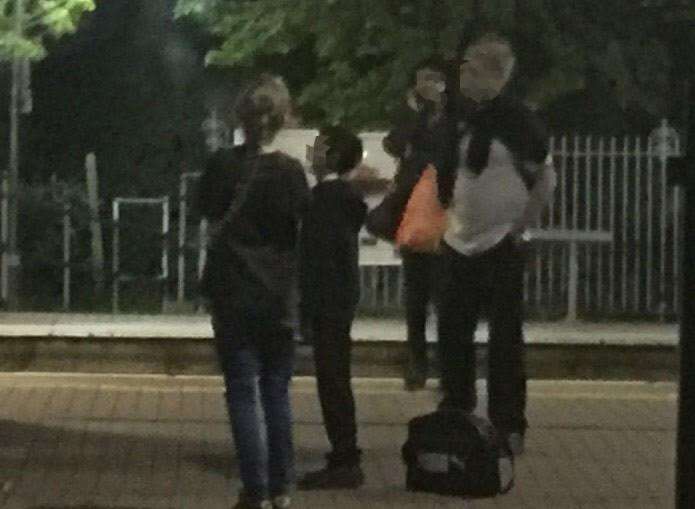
pixel 255 200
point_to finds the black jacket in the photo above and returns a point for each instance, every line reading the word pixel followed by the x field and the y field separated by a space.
pixel 252 266
pixel 330 248
pixel 416 141
pixel 504 118
pixel 277 199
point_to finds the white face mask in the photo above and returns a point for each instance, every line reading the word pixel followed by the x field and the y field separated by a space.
pixel 480 79
pixel 430 84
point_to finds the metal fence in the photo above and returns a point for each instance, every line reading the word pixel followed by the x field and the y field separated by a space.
pixel 121 276
pixel 609 189
pixel 51 216
pixel 620 186
pixel 609 185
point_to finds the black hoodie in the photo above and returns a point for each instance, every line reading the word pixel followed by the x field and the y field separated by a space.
pixel 330 248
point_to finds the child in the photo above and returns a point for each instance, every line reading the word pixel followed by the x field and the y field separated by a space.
pixel 330 293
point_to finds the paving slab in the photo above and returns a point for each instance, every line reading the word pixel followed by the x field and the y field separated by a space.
pixel 135 442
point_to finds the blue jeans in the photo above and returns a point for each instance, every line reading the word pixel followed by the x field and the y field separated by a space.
pixel 257 372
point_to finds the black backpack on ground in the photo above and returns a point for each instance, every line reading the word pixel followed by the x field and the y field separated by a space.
pixel 451 452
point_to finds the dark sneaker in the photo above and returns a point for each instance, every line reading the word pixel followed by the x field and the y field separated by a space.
pixel 343 477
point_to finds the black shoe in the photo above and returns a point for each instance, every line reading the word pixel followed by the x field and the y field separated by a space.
pixel 245 502
pixel 337 477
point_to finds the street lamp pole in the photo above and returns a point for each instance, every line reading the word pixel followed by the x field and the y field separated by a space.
pixel 11 260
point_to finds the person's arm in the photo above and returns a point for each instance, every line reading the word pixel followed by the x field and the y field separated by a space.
pixel 531 140
pixel 539 196
pixel 300 190
pixel 307 279
pixel 395 143
pixel 358 214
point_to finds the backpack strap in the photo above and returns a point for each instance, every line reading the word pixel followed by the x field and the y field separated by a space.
pixel 242 194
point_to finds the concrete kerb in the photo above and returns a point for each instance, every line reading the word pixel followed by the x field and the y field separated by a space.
pixel 183 345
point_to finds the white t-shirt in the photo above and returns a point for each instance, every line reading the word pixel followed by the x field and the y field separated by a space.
pixel 485 206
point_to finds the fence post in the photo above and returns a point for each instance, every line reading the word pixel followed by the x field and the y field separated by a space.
pixel 202 246
pixel 67 234
pixel 165 251
pixel 4 232
pixel 181 288
pixel 95 224
pixel 573 283
pixel 202 256
pixel 115 262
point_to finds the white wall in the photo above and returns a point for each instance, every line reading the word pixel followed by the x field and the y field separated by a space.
pixel 294 142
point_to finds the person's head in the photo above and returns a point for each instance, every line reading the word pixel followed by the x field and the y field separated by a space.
pixel 336 149
pixel 429 79
pixel 261 109
pixel 486 67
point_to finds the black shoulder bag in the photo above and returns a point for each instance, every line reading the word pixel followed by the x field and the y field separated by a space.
pixel 256 282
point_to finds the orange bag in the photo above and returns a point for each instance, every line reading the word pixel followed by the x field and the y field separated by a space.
pixel 424 219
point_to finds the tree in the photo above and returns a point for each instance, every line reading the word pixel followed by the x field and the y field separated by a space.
pixel 23 27
pixel 354 56
pixel 362 52
pixel 140 109
pixel 39 19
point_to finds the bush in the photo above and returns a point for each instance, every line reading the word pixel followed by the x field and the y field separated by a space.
pixel 40 241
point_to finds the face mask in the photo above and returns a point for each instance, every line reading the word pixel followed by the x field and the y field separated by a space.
pixel 430 85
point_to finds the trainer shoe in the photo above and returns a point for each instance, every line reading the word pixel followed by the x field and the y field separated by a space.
pixel 245 503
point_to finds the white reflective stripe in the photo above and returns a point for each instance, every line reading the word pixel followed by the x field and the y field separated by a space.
pixel 505 467
pixel 433 462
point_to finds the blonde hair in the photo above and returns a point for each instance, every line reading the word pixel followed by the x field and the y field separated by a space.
pixel 262 108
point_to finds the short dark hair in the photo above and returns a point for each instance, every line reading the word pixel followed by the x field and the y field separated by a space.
pixel 348 146
pixel 433 62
